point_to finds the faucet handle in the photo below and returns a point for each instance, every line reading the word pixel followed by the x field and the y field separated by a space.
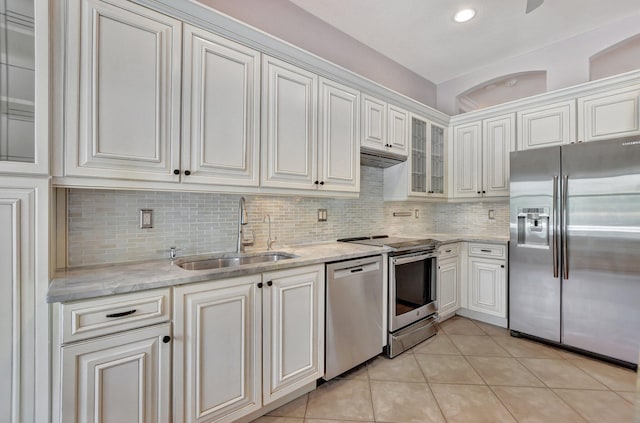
pixel 270 242
pixel 172 253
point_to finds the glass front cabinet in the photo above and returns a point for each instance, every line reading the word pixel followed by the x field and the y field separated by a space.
pixel 427 159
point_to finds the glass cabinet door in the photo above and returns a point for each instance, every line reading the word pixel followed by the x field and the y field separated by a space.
pixel 418 156
pixel 437 160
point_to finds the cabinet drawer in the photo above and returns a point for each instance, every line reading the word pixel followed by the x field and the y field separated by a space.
pixel 488 250
pixel 102 316
pixel 448 250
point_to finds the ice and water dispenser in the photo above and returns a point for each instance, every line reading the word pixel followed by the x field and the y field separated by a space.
pixel 533 227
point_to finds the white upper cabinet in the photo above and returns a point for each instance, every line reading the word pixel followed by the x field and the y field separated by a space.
pixel 397 129
pixel 339 132
pixel 498 140
pixel 481 157
pixel 385 127
pixel 122 91
pixel 614 113
pixel 221 110
pixel 289 98
pixel 374 123
pixel 467 160
pixel 545 126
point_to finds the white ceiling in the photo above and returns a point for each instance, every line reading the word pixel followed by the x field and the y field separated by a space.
pixel 422 36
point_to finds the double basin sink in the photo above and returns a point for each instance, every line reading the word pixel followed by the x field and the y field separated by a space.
pixel 230 260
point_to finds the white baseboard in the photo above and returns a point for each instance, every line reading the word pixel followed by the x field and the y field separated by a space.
pixel 487 318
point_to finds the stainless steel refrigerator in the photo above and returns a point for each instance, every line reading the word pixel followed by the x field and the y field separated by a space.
pixel 575 246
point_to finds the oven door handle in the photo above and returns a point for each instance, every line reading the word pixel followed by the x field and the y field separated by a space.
pixel 412 259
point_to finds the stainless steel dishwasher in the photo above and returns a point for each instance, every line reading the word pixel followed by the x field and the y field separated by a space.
pixel 354 319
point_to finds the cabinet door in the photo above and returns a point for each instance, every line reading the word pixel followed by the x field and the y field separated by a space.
pixel 24 277
pixel 339 150
pixel 487 287
pixel 545 126
pixel 123 92
pixel 398 129
pixel 374 123
pixel 436 161
pixel 610 114
pixel 221 110
pixel 293 330
pixel 467 160
pixel 289 124
pixel 118 378
pixel 217 370
pixel 498 141
pixel 419 158
pixel 448 286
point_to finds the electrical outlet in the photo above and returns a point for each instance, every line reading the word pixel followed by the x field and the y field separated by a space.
pixel 492 214
pixel 322 215
pixel 146 218
pixel 416 213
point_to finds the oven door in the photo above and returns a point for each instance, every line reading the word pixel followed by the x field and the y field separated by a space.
pixel 412 289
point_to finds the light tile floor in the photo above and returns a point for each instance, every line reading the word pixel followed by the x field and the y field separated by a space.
pixel 472 372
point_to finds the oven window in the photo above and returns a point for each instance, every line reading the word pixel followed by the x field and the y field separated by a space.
pixel 414 287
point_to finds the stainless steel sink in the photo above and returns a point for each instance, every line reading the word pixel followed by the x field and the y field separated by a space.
pixel 213 262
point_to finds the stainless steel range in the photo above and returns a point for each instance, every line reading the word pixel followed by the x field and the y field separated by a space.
pixel 413 307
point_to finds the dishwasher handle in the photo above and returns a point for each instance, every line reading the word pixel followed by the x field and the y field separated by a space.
pixel 358 270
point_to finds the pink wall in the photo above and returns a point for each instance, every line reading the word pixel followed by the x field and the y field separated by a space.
pixel 293 24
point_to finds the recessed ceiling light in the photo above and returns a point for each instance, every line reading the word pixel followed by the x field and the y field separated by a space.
pixel 464 15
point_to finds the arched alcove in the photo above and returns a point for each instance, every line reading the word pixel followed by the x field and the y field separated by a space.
pixel 621 57
pixel 501 90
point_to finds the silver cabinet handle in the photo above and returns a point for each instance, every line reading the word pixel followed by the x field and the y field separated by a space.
pixel 565 249
pixel 554 239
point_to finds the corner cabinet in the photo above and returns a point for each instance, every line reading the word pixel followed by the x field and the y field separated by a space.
pixel 243 343
pixel 481 157
pixel 122 106
pixel 611 114
pixel 485 290
pixel 220 111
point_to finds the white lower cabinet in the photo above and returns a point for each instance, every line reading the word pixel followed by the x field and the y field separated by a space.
pixel 217 350
pixel 487 286
pixel 242 343
pixel 448 290
pixel 483 290
pixel 119 378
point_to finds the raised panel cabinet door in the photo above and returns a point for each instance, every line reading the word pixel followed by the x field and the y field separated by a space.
pixel 289 96
pixel 118 378
pixel 221 110
pixel 545 126
pixel 23 283
pixel 217 370
pixel 609 115
pixel 339 131
pixel 498 140
pixel 467 160
pixel 293 330
pixel 448 285
pixel 123 92
pixel 487 290
pixel 398 129
pixel 374 123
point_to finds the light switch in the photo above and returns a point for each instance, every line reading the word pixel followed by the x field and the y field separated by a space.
pixel 492 214
pixel 146 218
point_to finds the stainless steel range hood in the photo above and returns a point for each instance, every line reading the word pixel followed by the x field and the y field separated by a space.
pixel 376 158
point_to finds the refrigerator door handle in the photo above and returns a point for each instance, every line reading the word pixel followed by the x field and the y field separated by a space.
pixel 565 253
pixel 554 238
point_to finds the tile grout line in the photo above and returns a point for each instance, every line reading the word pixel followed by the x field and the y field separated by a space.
pixel 431 390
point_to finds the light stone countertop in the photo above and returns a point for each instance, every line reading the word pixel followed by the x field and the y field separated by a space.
pixel 104 280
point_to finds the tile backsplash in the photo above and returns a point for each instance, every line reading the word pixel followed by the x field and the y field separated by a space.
pixel 103 225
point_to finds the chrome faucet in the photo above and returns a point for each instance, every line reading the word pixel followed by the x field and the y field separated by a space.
pixel 243 219
pixel 270 241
